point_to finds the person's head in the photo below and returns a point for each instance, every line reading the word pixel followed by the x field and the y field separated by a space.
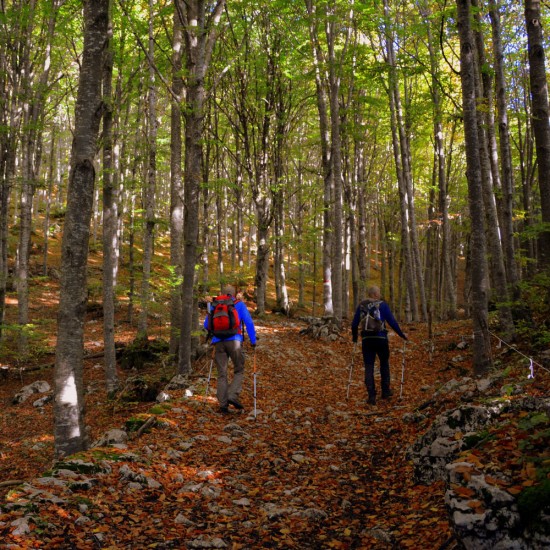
pixel 229 289
pixel 374 292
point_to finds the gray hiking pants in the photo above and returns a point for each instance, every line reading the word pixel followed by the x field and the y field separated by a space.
pixel 225 350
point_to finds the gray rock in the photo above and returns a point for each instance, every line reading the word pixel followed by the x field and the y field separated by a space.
pixel 40 386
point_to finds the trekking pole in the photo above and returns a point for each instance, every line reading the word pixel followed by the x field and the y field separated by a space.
pixel 254 373
pixel 403 370
pixel 209 374
pixel 351 369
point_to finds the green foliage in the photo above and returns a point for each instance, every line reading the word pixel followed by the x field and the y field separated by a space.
pixel 532 311
pixel 533 420
pixel 58 212
pixel 36 341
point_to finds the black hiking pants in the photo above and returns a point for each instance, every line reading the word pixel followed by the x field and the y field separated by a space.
pixel 372 347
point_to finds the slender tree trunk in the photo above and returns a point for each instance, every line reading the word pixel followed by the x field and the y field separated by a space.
pixel 489 169
pixel 326 163
pixel 362 243
pixel 336 169
pixel 481 348
pixel 70 432
pixel 33 109
pixel 200 33
pixel 283 304
pixel 264 216
pixel 507 176
pixel 399 167
pixel 49 197
pixel 527 170
pixel 150 188
pixel 7 184
pixel 110 225
pixel 448 279
pixel 176 184
pixel 540 114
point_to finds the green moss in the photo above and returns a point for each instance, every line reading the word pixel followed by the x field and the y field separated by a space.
pixel 477 439
pixel 161 408
pixel 532 502
pixel 80 467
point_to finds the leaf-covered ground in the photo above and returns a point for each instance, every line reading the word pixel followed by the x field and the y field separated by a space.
pixel 312 469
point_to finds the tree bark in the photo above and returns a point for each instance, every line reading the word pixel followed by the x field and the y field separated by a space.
pixel 70 432
pixel 405 239
pixel 110 224
pixel 541 123
pixel 326 163
pixel 507 176
pixel 449 310
pixel 199 20
pixel 481 348
pixel 150 187
pixel 176 183
pixel 336 168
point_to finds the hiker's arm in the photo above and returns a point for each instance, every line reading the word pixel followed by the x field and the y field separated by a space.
pixel 390 319
pixel 249 323
pixel 355 325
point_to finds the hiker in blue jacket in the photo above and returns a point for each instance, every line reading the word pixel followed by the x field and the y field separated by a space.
pixel 375 341
pixel 231 347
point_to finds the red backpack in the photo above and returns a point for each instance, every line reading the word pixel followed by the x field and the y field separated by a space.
pixel 223 319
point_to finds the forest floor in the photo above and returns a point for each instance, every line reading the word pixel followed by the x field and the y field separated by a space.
pixel 311 469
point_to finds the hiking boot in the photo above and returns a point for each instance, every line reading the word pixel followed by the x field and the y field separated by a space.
pixel 371 401
pixel 224 410
pixel 387 395
pixel 236 403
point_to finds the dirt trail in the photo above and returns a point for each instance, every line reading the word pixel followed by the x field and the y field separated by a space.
pixel 312 470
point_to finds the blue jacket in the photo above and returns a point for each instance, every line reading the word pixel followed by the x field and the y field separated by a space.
pixel 246 318
pixel 385 315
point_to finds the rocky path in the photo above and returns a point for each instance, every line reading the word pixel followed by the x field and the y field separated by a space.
pixel 312 469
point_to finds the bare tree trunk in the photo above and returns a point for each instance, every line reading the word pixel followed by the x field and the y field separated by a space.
pixel 336 168
pixel 283 304
pixel 448 279
pixel 264 216
pixel 199 22
pixel 282 108
pixel 525 146
pixel 399 167
pixel 176 184
pixel 362 243
pixel 481 348
pixel 541 123
pixel 505 153
pixel 489 169
pixel 50 178
pixel 110 225
pixel 150 188
pixel 70 432
pixel 326 163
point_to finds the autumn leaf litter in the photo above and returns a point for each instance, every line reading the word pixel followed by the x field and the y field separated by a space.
pixel 311 470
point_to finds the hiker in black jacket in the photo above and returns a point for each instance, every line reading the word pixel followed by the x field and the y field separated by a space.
pixel 372 329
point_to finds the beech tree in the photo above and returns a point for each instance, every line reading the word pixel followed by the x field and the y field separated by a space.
pixel 482 350
pixel 110 221
pixel 540 114
pixel 200 24
pixel 70 430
